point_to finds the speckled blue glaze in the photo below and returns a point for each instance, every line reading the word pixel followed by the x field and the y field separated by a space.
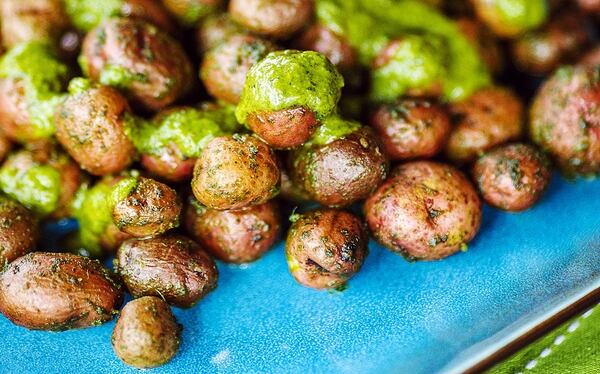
pixel 394 317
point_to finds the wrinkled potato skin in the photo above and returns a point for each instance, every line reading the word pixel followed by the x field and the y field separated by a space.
pixel 26 20
pixel 146 334
pixel 512 177
pixel 170 266
pixel 214 30
pixel 235 236
pixel 321 39
pixel 141 49
pixel 58 291
pixel 485 41
pixel 559 42
pixel 151 209
pixel 19 231
pixel 411 128
pixel 342 172
pixel 491 116
pixel 424 211
pixel 91 127
pixel 325 248
pixel 274 18
pixel 285 128
pixel 565 119
pixel 225 67
pixel 235 172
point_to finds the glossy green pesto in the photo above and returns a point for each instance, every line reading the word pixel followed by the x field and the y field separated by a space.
pixel 87 14
pixel 224 115
pixel 369 26
pixel 521 15
pixel 195 11
pixel 43 75
pixel 333 128
pixel 289 79
pixel 79 85
pixel 417 62
pixel 119 76
pixel 38 188
pixel 189 129
pixel 122 190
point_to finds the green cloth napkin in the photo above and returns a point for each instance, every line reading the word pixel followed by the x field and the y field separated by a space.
pixel 573 348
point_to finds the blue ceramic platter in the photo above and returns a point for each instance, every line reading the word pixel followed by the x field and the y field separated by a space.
pixel 394 317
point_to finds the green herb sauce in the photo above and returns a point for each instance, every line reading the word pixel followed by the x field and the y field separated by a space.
pixel 87 14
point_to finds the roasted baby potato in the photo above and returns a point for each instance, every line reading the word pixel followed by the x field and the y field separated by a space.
pixel 325 247
pixel 19 232
pixel 424 211
pixel 236 236
pixel 512 177
pixel 172 267
pixel 190 12
pixel 335 47
pixel 58 291
pixel 235 172
pixel 214 30
pixel 146 334
pixel 273 18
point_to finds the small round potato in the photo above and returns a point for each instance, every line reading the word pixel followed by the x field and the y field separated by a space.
pixel 26 20
pixel 559 42
pixel 565 119
pixel 172 267
pixel 512 177
pixel 424 211
pixel 325 247
pixel 91 124
pixel 138 58
pixel 411 128
pixel 235 236
pixel 214 30
pixel 169 165
pixel 273 18
pixel 290 191
pixel 335 47
pixel 343 171
pixel 234 172
pixel 144 207
pixel 146 334
pixel 589 5
pixel 190 12
pixel 225 67
pixel 509 18
pixel 491 116
pixel 19 231
pixel 58 291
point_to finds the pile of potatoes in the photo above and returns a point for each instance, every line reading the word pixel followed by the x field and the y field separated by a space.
pixel 177 132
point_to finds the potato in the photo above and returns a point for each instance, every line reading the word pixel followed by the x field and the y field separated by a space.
pixel 491 116
pixel 335 47
pixel 214 30
pixel 234 172
pixel 170 266
pixel 144 207
pixel 138 58
pixel 19 231
pixel 91 124
pixel 224 68
pixel 509 18
pixel 325 247
pixel 189 12
pixel 58 291
pixel 235 236
pixel 424 211
pixel 411 128
pixel 487 44
pixel 274 18
pixel 146 334
pixel 565 120
pixel 512 177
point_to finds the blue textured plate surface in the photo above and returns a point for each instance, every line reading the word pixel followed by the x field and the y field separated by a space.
pixel 394 316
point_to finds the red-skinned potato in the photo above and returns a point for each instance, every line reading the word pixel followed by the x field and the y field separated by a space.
pixel 273 18
pixel 19 231
pixel 321 39
pixel 26 20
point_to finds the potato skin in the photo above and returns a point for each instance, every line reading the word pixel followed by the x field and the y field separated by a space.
pixel 146 334
pixel 58 291
pixel 214 30
pixel 26 20
pixel 491 116
pixel 325 247
pixel 170 266
pixel 19 231
pixel 285 128
pixel 224 67
pixel 170 165
pixel 150 208
pixel 512 177
pixel 424 211
pixel 336 48
pixel 234 172
pixel 274 18
pixel 411 128
pixel 565 120
pixel 91 126
pixel 147 63
pixel 342 172
pixel 14 113
pixel 235 236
